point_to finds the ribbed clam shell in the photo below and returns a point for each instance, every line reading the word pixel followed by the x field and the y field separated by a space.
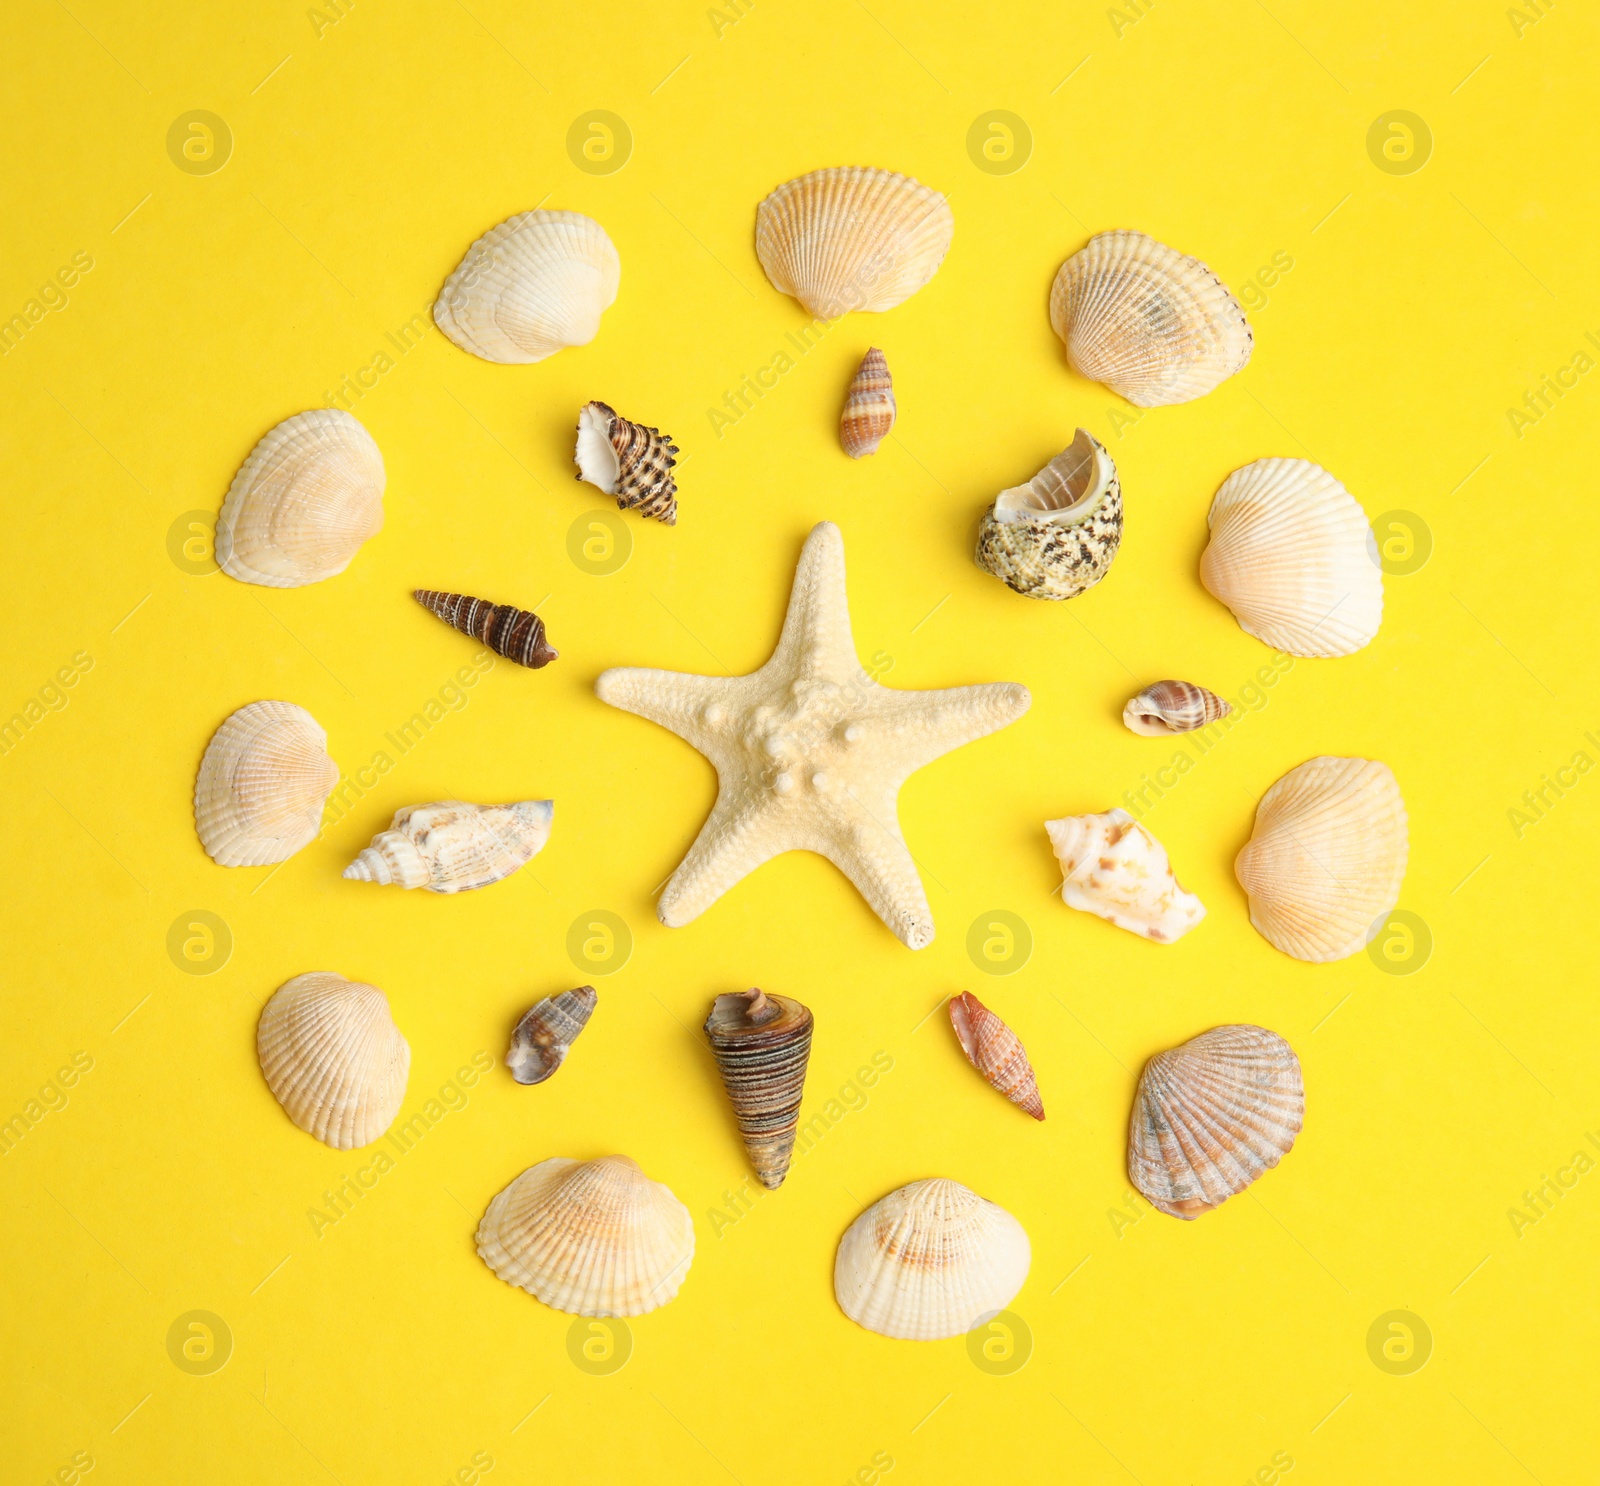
pixel 302 504
pixel 1166 707
pixel 996 1052
pixel 262 784
pixel 517 634
pixel 333 1058
pixel 1327 857
pixel 451 846
pixel 1112 866
pixel 1154 325
pixel 592 1238
pixel 852 238
pixel 869 407
pixel 541 1040
pixel 1210 1116
pixel 535 284
pixel 762 1044
pixel 631 461
pixel 930 1260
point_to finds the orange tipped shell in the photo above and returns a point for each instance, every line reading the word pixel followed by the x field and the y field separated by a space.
pixel 517 634
pixel 996 1052
pixel 869 407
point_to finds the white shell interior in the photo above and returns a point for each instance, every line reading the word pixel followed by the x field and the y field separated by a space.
pixel 1065 490
pixel 597 460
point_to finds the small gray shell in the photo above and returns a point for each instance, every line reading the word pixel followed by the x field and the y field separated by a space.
pixel 547 1030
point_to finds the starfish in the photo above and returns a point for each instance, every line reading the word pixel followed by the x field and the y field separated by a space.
pixel 810 752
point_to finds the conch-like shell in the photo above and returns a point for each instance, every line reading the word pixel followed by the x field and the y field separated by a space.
pixel 302 504
pixel 451 846
pixel 1166 707
pixel 852 238
pixel 1152 324
pixel 334 1058
pixel 517 634
pixel 1327 857
pixel 930 1260
pixel 869 408
pixel 1115 868
pixel 1210 1116
pixel 762 1044
pixel 592 1238
pixel 631 461
pixel 544 1036
pixel 996 1052
pixel 1290 555
pixel 1055 536
pixel 263 782
pixel 535 284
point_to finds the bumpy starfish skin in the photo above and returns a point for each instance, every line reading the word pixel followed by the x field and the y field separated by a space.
pixel 810 752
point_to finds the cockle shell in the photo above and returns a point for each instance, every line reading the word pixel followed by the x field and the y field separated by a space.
pixel 333 1058
pixel 1152 324
pixel 592 1238
pixel 1210 1116
pixel 1327 857
pixel 544 1036
pixel 1289 554
pixel 996 1052
pixel 517 634
pixel 852 238
pixel 1112 866
pixel 1166 707
pixel 302 504
pixel 932 1259
pixel 762 1044
pixel 535 284
pixel 1055 536
pixel 869 407
pixel 452 847
pixel 631 461
pixel 263 782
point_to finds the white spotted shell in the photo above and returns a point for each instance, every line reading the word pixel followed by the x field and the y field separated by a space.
pixel 1113 867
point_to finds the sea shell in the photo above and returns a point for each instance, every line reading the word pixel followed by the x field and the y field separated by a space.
pixel 996 1052
pixel 451 846
pixel 517 634
pixel 302 504
pixel 334 1058
pixel 869 407
pixel 1166 707
pixel 932 1259
pixel 542 1039
pixel 592 1238
pixel 263 782
pixel 1152 324
pixel 1055 536
pixel 762 1044
pixel 1210 1116
pixel 1112 866
pixel 631 461
pixel 1289 554
pixel 852 238
pixel 1327 857
pixel 530 287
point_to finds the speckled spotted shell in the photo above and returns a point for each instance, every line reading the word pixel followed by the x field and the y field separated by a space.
pixel 517 634
pixel 762 1045
pixel 1113 867
pixel 631 461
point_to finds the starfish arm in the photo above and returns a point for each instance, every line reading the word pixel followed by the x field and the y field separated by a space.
pixel 680 702
pixel 872 853
pixel 734 841
pixel 816 638
pixel 925 725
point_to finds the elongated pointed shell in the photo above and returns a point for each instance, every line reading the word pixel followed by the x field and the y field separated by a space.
pixel 631 461
pixel 1055 536
pixel 517 634
pixel 1327 857
pixel 1152 324
pixel 302 504
pixel 263 782
pixel 452 847
pixel 542 1039
pixel 592 1238
pixel 1210 1116
pixel 852 238
pixel 535 284
pixel 1166 707
pixel 869 407
pixel 996 1052
pixel 762 1044
pixel 1112 866
pixel 333 1058
pixel 930 1260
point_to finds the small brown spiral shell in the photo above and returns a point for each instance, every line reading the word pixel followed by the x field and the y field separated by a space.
pixel 1173 707
pixel 762 1044
pixel 996 1052
pixel 540 1041
pixel 645 457
pixel 517 634
pixel 869 407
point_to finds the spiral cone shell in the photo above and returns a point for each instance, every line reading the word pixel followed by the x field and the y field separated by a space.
pixel 1166 707
pixel 631 461
pixel 1113 867
pixel 542 1039
pixel 762 1044
pixel 996 1052
pixel 869 407
pixel 452 847
pixel 517 634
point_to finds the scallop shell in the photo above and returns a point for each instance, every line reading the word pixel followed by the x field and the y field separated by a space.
pixel 1210 1116
pixel 762 1045
pixel 302 504
pixel 869 407
pixel 1154 325
pixel 592 1238
pixel 996 1052
pixel 333 1058
pixel 535 284
pixel 1112 866
pixel 452 847
pixel 932 1259
pixel 1055 536
pixel 852 238
pixel 263 782
pixel 1289 554
pixel 517 634
pixel 1327 857
pixel 631 461
pixel 1166 707
pixel 544 1036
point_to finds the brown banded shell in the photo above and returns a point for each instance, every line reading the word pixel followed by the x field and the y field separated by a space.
pixel 996 1052
pixel 542 1039
pixel 869 407
pixel 517 634
pixel 1166 707
pixel 631 461
pixel 762 1044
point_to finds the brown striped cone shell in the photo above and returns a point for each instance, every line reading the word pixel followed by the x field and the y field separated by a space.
pixel 1166 707
pixel 542 1039
pixel 1211 1116
pixel 996 1052
pixel 517 634
pixel 453 847
pixel 869 407
pixel 631 461
pixel 762 1044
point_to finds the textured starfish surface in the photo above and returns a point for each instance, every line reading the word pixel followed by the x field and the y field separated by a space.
pixel 810 752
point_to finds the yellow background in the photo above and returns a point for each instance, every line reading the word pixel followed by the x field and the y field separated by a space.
pixel 367 154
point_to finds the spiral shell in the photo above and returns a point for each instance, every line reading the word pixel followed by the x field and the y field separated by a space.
pixel 1113 867
pixel 452 847
pixel 542 1039
pixel 517 634
pixel 762 1045
pixel 996 1052
pixel 1166 707
pixel 869 407
pixel 631 461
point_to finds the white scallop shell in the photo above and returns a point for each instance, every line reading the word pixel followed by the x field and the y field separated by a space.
pixel 1112 866
pixel 451 846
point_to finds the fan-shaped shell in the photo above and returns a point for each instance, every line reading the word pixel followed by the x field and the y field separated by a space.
pixel 762 1044
pixel 1166 707
pixel 996 1052
pixel 452 847
pixel 541 1040
pixel 1112 866
pixel 869 406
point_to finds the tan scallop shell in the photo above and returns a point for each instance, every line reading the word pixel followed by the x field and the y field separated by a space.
pixel 1112 866
pixel 452 847
pixel 1166 707
pixel 996 1052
